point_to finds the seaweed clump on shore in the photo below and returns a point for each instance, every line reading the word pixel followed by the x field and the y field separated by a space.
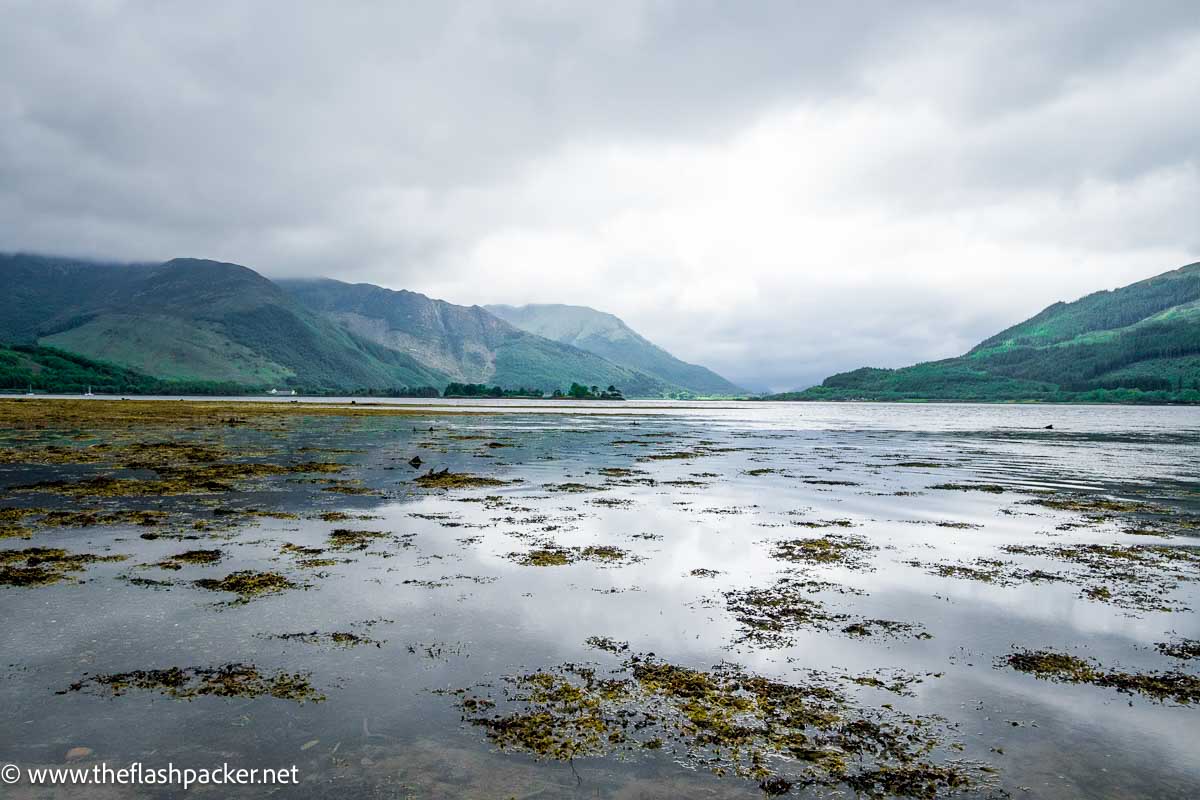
pixel 833 549
pixel 248 584
pixel 349 539
pixel 1133 576
pixel 12 522
pixel 42 566
pixel 445 479
pixel 1182 649
pixel 725 720
pixel 772 616
pixel 339 639
pixel 196 558
pixel 228 680
pixel 558 556
pixel 1065 668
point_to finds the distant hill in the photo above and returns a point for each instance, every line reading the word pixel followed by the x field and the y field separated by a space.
pixel 191 320
pixel 208 324
pixel 608 337
pixel 1137 343
pixel 49 370
pixel 468 344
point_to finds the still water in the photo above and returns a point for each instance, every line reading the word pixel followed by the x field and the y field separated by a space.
pixel 949 537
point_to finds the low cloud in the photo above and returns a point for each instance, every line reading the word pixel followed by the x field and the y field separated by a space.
pixel 778 191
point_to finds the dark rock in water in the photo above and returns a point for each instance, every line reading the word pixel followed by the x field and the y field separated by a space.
pixel 1048 428
pixel 414 462
pixel 775 786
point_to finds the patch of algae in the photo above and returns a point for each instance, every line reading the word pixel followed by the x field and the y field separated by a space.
pixel 1064 668
pixel 86 518
pixel 339 639
pixel 987 570
pixel 773 616
pixel 1133 576
pixel 228 680
pixel 347 539
pixel 1183 649
pixel 1090 505
pixel 843 550
pixel 22 414
pixel 726 720
pixel 12 522
pixel 42 566
pixel 248 584
pixel 174 480
pixel 557 556
pixel 454 480
pixel 196 558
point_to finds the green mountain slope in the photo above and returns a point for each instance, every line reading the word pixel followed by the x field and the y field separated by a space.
pixel 1139 342
pixel 193 320
pixel 610 338
pixel 468 344
pixel 48 369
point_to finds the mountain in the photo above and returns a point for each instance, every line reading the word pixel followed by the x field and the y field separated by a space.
pixel 211 325
pixel 191 320
pixel 1139 342
pixel 468 344
pixel 608 337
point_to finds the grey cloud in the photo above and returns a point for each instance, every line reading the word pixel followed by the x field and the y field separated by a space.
pixel 386 143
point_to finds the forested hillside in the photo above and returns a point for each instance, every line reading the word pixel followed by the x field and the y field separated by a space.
pixel 1139 343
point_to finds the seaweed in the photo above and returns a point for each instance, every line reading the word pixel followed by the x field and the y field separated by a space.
pixel 42 566
pixel 1064 668
pixel 843 550
pixel 186 683
pixel 572 488
pixel 987 570
pixel 990 488
pixel 340 639
pixel 248 584
pixel 191 558
pixel 607 644
pixel 557 556
pixel 347 539
pixel 770 617
pixel 454 480
pixel 1134 576
pixel 724 719
pixel 1182 649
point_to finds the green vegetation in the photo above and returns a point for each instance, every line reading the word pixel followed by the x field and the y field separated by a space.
pixel 578 391
pixel 726 720
pixel 611 339
pixel 191 321
pixel 1064 668
pixel 49 369
pixel 228 680
pixel 1137 344
pixel 483 390
pixel 467 344
pixel 42 566
pixel 196 326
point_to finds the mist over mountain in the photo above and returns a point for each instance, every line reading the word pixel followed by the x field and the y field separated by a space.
pixel 196 321
pixel 466 343
pixel 609 337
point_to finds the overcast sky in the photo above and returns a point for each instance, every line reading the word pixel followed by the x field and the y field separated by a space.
pixel 778 191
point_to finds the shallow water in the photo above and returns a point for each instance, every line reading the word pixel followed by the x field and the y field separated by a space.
pixel 451 609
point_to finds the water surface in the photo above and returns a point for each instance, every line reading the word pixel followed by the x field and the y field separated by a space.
pixel 698 496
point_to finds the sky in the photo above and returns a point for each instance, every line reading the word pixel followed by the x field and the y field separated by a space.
pixel 776 190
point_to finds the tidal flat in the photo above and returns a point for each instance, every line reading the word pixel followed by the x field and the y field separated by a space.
pixel 636 600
